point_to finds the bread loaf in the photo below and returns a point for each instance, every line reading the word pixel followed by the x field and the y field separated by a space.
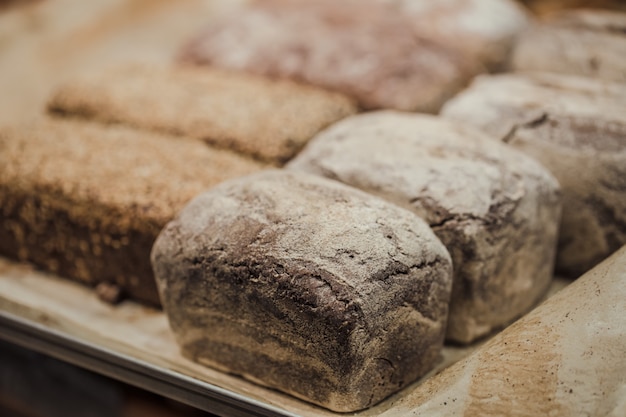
pixel 483 30
pixel 365 49
pixel 86 201
pixel 268 120
pixel 574 126
pixel 494 208
pixel 305 285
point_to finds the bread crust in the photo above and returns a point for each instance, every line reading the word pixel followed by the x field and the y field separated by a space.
pixel 305 285
pixel 575 126
pixel 87 201
pixel 260 118
pixel 495 209
pixel 370 51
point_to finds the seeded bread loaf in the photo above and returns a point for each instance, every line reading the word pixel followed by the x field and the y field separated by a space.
pixel 495 209
pixel 86 201
pixel 305 285
pixel 268 120
pixel 574 126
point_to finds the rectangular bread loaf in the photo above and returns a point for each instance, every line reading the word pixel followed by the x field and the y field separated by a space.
pixel 87 201
pixel 368 50
pixel 305 285
pixel 494 208
pixel 258 117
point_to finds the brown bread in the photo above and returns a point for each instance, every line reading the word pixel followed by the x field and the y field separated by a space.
pixel 305 285
pixel 87 201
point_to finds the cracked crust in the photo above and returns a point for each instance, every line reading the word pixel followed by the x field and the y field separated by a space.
pixel 576 127
pixel 307 286
pixel 495 209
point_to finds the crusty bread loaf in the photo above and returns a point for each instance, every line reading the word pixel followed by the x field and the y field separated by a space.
pixel 574 126
pixel 494 208
pixel 364 49
pixel 87 201
pixel 583 42
pixel 268 120
pixel 305 285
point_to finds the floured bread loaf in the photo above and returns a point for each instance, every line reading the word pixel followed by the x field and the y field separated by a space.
pixel 87 201
pixel 582 42
pixel 305 285
pixel 269 120
pixel 565 358
pixel 494 208
pixel 576 127
pixel 365 49
pixel 484 30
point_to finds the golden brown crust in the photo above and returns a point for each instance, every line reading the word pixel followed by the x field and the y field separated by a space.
pixel 87 201
pixel 265 119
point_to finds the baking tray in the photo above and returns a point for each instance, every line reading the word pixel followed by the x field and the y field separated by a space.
pixel 133 344
pixel 133 371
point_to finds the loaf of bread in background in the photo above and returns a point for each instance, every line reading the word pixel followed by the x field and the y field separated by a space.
pixel 366 49
pixel 574 126
pixel 87 201
pixel 496 209
pixel 305 285
pixel 590 43
pixel 484 30
pixel 265 119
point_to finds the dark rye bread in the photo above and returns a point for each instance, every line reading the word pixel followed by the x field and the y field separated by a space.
pixel 574 126
pixel 366 49
pixel 305 285
pixel 87 201
pixel 589 43
pixel 494 208
pixel 268 120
